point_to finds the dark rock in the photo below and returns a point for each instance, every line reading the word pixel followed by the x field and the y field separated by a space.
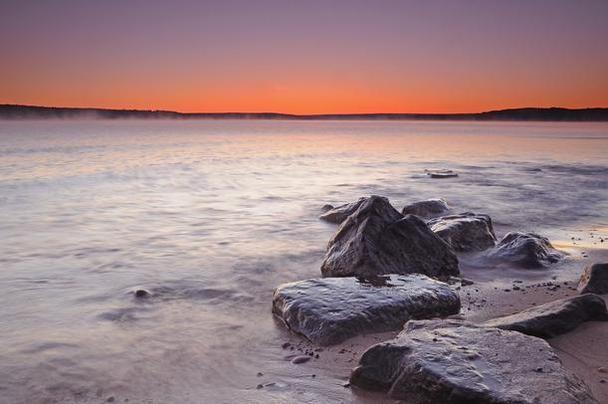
pixel 142 294
pixel 465 232
pixel 441 173
pixel 327 207
pixel 339 214
pixel 554 318
pixel 330 310
pixel 594 279
pixel 426 209
pixel 455 362
pixel 527 250
pixel 376 240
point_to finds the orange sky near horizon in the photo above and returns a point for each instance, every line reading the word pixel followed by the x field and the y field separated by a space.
pixel 318 57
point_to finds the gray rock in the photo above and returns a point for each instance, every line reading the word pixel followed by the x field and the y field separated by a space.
pixel 465 232
pixel 427 209
pixel 441 173
pixel 326 208
pixel 455 362
pixel 339 214
pixel 594 279
pixel 328 311
pixel 527 250
pixel 377 240
pixel 554 318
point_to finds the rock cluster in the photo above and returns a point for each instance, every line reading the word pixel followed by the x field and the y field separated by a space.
pixel 376 239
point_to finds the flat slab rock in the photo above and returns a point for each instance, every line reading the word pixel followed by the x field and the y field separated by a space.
pixel 527 250
pixel 594 279
pixel 339 214
pixel 426 209
pixel 328 311
pixel 554 318
pixel 376 240
pixel 465 232
pixel 456 362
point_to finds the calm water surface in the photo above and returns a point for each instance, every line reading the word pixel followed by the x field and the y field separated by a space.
pixel 211 216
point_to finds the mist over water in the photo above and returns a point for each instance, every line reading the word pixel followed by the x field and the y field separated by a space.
pixel 210 216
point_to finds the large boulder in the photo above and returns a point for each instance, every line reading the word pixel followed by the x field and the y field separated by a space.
pixel 594 279
pixel 427 209
pixel 465 232
pixel 376 239
pixel 339 214
pixel 328 311
pixel 527 250
pixel 455 362
pixel 554 318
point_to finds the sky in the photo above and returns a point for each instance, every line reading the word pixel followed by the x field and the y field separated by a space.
pixel 311 56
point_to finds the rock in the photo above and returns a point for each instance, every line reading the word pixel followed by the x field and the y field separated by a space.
pixel 328 311
pixel 377 240
pixel 594 279
pixel 142 294
pixel 426 209
pixel 528 250
pixel 554 318
pixel 441 173
pixel 339 214
pixel 327 207
pixel 300 359
pixel 456 362
pixel 465 232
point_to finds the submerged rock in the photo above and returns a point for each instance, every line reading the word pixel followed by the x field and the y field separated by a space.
pixel 455 362
pixel 328 311
pixel 142 293
pixel 327 207
pixel 377 240
pixel 339 214
pixel 528 250
pixel 465 232
pixel 426 209
pixel 594 279
pixel 441 173
pixel 554 318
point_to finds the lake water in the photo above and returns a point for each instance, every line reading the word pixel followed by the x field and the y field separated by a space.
pixel 211 216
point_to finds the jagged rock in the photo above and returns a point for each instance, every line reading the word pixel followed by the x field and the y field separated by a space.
pixel 554 318
pixel 455 362
pixel 528 250
pixel 339 214
pixel 465 232
pixel 376 240
pixel 328 311
pixel 426 209
pixel 594 279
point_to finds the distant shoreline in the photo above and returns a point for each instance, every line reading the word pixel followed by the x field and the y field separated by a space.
pixel 23 112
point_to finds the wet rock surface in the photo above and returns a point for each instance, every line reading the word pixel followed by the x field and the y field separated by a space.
pixel 427 209
pixel 594 279
pixel 465 232
pixel 455 362
pixel 328 311
pixel 527 250
pixel 339 214
pixel 376 239
pixel 554 318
